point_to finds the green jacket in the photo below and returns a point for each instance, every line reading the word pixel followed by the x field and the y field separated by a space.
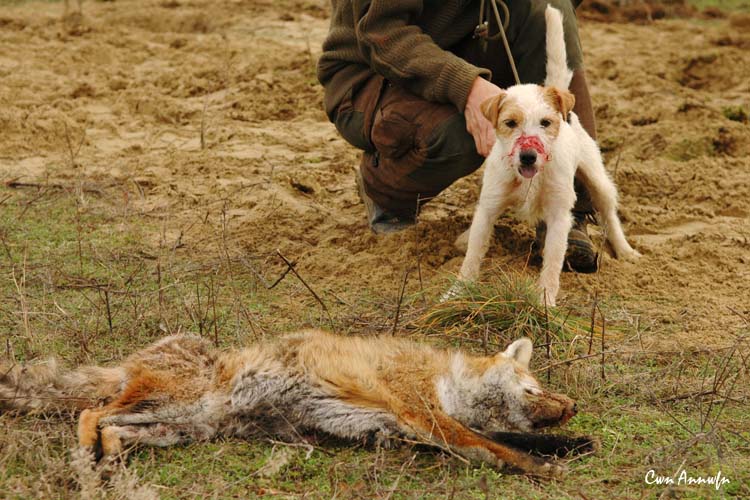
pixel 405 41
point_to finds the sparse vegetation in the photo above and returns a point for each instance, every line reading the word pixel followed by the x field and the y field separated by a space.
pixel 146 188
pixel 650 409
pixel 504 307
pixel 736 114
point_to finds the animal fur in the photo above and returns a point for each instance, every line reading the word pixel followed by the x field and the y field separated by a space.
pixel 540 148
pixel 180 389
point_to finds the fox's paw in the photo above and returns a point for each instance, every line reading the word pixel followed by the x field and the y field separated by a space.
pixel 550 470
pixel 384 439
pixel 586 444
pixel 88 429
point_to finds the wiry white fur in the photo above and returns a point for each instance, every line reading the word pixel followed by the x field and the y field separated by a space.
pixel 558 73
pixel 549 195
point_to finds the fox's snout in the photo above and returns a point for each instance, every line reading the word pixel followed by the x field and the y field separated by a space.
pixel 550 409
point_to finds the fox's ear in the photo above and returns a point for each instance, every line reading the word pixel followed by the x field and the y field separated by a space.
pixel 491 107
pixel 562 100
pixel 520 350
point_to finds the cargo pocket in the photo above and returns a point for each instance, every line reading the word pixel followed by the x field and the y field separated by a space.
pixel 393 135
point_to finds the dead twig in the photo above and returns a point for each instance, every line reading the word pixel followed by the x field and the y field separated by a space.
pixel 203 123
pixel 309 289
pixel 400 299
pixel 593 321
pixel 262 279
pixel 603 330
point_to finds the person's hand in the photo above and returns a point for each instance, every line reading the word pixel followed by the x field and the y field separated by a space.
pixel 478 126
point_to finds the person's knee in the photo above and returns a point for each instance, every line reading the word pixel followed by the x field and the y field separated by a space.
pixel 450 152
pixel 350 125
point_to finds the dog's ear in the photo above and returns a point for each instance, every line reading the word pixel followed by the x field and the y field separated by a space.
pixel 562 100
pixel 491 107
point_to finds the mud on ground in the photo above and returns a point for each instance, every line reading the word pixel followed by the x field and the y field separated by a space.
pixel 202 113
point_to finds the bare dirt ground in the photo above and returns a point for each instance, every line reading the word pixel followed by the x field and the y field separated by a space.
pixel 205 120
pixel 136 83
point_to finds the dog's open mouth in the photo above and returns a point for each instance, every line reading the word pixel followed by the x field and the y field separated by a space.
pixel 527 171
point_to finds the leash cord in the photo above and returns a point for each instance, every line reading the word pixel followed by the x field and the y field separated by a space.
pixel 482 30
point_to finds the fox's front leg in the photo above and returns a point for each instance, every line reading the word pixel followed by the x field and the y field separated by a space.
pixel 443 430
pixel 559 222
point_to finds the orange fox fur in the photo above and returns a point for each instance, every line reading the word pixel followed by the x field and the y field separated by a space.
pixel 181 389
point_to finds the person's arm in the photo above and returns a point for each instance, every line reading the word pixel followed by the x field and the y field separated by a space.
pixel 402 53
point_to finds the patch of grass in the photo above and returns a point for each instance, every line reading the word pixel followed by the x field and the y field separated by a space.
pixel 506 306
pixel 736 114
pixel 725 5
pixel 58 256
pixel 690 149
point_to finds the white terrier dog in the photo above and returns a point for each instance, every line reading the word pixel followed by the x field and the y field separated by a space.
pixel 540 146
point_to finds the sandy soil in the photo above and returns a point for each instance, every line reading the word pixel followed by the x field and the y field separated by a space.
pixel 138 83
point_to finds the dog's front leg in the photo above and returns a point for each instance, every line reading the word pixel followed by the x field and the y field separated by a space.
pixel 492 200
pixel 559 222
pixel 479 237
pixel 488 209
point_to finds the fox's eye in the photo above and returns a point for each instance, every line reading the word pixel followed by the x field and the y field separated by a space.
pixel 511 123
pixel 545 123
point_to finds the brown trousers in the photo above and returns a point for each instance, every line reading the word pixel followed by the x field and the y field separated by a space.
pixel 413 148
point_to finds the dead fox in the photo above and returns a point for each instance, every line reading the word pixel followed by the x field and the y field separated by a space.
pixel 181 389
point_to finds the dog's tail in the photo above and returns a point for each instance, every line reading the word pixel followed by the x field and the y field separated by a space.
pixel 558 73
pixel 46 388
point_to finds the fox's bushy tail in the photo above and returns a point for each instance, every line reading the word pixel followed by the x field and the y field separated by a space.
pixel 558 73
pixel 45 387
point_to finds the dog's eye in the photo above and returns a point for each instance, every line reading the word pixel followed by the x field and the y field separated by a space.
pixel 545 123
pixel 511 123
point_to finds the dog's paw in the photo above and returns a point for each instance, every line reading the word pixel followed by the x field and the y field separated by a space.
pixel 453 292
pixel 548 294
pixel 462 242
pixel 630 255
pixel 547 299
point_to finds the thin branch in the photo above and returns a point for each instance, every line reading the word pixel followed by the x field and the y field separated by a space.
pixel 320 301
pixel 400 299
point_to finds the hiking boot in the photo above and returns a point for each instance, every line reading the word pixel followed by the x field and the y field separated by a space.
pixel 380 221
pixel 581 256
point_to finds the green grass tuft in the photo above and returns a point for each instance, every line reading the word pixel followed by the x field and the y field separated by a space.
pixel 507 305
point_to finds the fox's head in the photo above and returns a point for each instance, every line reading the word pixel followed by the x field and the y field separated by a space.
pixel 499 393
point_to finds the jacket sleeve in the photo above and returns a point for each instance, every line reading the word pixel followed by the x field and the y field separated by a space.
pixel 402 53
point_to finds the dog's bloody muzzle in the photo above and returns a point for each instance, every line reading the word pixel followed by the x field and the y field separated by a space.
pixel 531 148
pixel 526 142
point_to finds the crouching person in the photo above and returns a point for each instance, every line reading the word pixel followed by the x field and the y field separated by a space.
pixel 404 81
